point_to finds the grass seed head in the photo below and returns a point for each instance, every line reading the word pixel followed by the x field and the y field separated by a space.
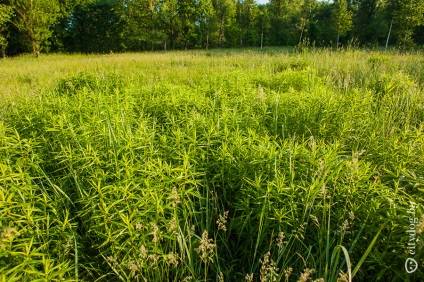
pixel 281 240
pixel 111 259
pixel 143 252
pixel 175 197
pixel 351 215
pixel 261 94
pixel 134 267
pixel 306 275
pixel 222 221
pixel 269 271
pixel 345 227
pixel 191 231
pixel 249 277
pixel 155 232
pixel 343 277
pixel 173 226
pixel 9 233
pixel 206 248
pixel 173 259
pixel 316 221
pixel 287 273
pixel 139 227
pixel 154 258
pixel 221 277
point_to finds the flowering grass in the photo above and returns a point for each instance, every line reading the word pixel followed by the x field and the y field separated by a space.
pixel 217 165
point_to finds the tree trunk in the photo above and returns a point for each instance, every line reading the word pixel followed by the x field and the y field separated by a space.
pixel 240 26
pixel 152 23
pixel 337 43
pixel 301 34
pixel 221 29
pixel 172 33
pixel 207 41
pixel 262 39
pixel 388 35
pixel 404 40
pixel 36 49
pixel 3 52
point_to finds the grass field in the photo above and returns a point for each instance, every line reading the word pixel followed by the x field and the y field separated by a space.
pixel 212 166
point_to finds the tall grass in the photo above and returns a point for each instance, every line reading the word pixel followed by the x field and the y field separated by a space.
pixel 211 166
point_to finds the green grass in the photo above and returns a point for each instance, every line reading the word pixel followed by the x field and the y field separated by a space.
pixel 211 165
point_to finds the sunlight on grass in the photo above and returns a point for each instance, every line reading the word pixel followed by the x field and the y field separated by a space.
pixel 210 165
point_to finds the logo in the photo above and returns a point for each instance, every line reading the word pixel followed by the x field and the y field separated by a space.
pixel 411 265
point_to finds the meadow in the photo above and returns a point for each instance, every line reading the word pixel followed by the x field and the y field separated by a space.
pixel 220 165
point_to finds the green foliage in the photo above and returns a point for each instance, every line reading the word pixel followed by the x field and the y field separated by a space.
pixel 407 15
pixel 370 23
pixel 284 16
pixel 37 235
pixel 85 81
pixel 96 27
pixel 225 12
pixel 6 13
pixel 262 163
pixel 35 19
pixel 342 18
pixel 107 26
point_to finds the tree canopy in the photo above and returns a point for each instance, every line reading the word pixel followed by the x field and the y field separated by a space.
pixel 102 26
pixel 6 13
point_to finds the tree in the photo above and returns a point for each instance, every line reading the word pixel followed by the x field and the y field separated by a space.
pixel 305 16
pixel 225 11
pixel 263 22
pixel 134 15
pixel 318 28
pixel 147 23
pixel 157 35
pixel 207 23
pixel 405 16
pixel 369 21
pixel 169 15
pixel 95 28
pixel 6 13
pixel 248 13
pixel 36 18
pixel 188 12
pixel 342 19
pixel 285 17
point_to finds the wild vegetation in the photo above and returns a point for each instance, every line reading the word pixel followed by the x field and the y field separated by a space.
pixel 216 165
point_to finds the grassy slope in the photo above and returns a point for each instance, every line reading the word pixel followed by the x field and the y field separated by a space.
pixel 113 167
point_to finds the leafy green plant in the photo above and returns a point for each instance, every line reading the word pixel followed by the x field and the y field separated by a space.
pixel 260 166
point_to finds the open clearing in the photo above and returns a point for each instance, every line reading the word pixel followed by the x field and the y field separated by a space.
pixel 211 166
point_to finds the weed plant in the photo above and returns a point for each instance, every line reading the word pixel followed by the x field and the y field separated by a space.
pixel 212 165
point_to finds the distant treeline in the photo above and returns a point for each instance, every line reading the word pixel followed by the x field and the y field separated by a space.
pixel 100 26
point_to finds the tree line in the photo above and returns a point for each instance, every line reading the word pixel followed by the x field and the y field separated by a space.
pixel 100 26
